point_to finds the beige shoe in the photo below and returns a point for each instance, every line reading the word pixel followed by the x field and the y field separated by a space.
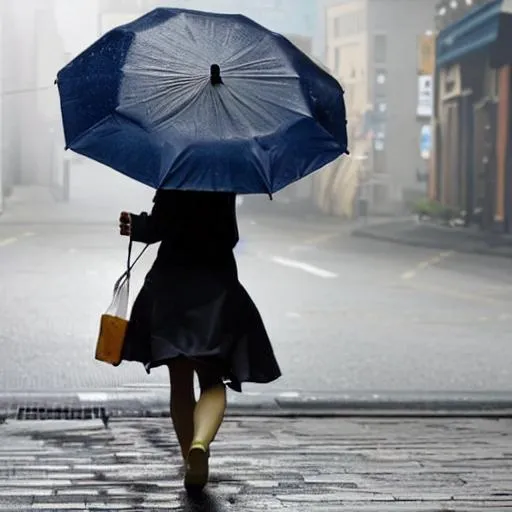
pixel 196 475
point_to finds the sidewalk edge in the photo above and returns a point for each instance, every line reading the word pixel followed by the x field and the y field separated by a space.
pixel 113 404
pixel 363 233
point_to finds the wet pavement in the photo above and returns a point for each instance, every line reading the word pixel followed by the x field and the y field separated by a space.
pixel 301 464
pixel 344 314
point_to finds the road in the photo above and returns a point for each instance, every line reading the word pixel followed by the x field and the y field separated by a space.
pixel 344 314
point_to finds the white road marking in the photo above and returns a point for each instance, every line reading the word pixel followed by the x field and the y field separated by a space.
pixel 306 267
pixel 424 265
pixel 8 241
pixel 93 397
pixel 319 239
pixel 292 314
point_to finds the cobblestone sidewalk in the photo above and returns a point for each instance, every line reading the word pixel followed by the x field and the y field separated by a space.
pixel 261 464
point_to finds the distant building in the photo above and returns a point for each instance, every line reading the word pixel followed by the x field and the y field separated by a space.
pixel 32 54
pixel 372 47
pixel 284 16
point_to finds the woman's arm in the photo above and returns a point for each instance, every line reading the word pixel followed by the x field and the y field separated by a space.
pixel 145 228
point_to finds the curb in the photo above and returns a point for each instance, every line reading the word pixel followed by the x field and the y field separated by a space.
pixel 361 233
pixel 152 403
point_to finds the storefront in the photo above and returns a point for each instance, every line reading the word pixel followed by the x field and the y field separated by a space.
pixel 472 170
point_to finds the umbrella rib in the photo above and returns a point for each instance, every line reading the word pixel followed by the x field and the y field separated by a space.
pixel 242 52
pixel 183 107
pixel 261 76
pixel 161 94
pixel 261 63
pixel 149 70
pixel 262 101
pixel 263 178
pixel 99 123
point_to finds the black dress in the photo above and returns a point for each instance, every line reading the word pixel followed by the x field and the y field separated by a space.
pixel 192 303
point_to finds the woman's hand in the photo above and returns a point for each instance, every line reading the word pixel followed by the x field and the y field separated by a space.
pixel 125 224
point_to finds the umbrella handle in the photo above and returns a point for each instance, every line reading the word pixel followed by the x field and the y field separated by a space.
pixel 215 77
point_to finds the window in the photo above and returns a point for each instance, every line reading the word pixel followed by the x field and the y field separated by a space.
pixel 348 24
pixel 380 43
pixel 337 60
pixel 379 157
pixel 381 82
pixel 337 27
pixel 381 108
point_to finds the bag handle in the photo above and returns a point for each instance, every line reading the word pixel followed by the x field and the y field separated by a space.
pixel 129 266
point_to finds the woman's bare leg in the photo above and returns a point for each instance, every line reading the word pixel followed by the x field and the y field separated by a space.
pixel 210 408
pixel 208 417
pixel 183 402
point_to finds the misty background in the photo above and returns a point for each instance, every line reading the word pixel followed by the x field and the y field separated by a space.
pixel 345 313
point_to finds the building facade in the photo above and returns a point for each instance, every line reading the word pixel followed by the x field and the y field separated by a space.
pixel 473 113
pixel 375 56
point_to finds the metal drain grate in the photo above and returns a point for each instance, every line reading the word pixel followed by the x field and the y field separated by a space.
pixel 61 413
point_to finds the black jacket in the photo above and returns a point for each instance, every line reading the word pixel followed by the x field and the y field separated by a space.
pixel 194 227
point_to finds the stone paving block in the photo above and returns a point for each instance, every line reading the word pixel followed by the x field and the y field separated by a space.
pixel 58 506
pixel 17 492
pixel 33 483
pixel 161 506
pixel 77 492
pixel 46 467
pixel 109 507
pixel 338 497
pixel 262 484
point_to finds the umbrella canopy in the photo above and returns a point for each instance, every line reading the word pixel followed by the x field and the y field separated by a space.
pixel 190 100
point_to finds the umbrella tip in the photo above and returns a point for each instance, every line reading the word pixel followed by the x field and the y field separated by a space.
pixel 215 77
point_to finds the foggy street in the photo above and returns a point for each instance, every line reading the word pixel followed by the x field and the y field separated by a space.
pixel 344 314
pixel 367 164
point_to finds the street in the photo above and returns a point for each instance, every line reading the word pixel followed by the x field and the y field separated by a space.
pixel 344 314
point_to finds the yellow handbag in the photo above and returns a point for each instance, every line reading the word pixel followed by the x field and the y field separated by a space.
pixel 113 323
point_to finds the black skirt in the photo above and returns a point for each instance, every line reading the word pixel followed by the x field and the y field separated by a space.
pixel 201 312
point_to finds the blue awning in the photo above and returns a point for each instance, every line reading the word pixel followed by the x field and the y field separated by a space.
pixel 477 30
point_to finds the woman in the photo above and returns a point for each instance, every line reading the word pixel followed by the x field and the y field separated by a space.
pixel 193 315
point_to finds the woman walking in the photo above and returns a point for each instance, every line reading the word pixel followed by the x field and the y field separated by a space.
pixel 193 316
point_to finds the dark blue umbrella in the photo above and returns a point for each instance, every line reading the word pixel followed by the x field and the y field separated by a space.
pixel 191 100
